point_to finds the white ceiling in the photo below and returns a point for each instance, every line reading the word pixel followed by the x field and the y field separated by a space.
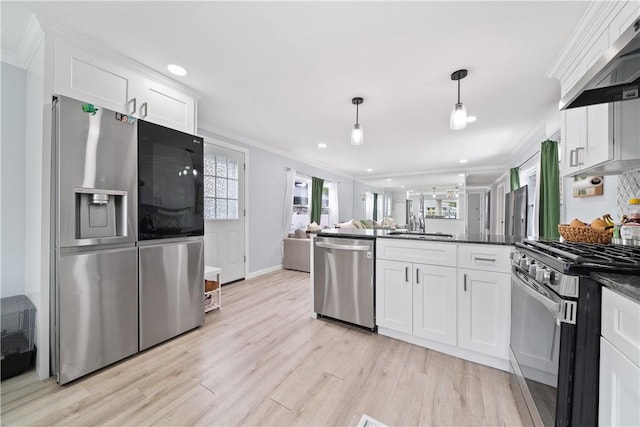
pixel 283 74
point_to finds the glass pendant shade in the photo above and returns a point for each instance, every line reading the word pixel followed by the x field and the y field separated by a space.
pixel 458 118
pixel 356 135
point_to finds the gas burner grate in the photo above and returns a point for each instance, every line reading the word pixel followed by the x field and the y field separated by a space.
pixel 595 255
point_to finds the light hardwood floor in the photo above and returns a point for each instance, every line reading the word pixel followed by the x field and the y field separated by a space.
pixel 262 360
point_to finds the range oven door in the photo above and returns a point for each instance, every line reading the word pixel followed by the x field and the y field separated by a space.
pixel 171 176
pixel 541 352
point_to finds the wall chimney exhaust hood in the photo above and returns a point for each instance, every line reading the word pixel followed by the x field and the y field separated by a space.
pixel 615 76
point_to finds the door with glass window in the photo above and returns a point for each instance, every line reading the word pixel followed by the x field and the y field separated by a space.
pixel 224 239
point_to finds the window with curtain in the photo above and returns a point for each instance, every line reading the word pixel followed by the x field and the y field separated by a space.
pixel 302 195
pixel 301 212
pixel 220 188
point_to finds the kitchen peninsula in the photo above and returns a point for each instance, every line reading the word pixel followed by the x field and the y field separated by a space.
pixel 430 288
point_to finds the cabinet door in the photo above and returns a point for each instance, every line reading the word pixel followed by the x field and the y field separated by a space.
pixel 484 307
pixel 165 106
pixel 394 295
pixel 573 137
pixel 88 78
pixel 599 143
pixel 619 388
pixel 434 303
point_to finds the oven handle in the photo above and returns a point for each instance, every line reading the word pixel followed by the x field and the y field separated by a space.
pixel 549 304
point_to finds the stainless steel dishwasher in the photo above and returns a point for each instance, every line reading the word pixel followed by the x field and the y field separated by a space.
pixel 343 272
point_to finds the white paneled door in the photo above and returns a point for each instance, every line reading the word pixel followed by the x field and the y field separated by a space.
pixel 224 206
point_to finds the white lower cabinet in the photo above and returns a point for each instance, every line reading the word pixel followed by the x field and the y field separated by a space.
pixel 484 311
pixel 619 388
pixel 394 295
pixel 619 361
pixel 417 299
pixel 434 303
pixel 464 312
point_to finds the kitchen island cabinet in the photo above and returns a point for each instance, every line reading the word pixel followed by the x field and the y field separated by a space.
pixel 456 301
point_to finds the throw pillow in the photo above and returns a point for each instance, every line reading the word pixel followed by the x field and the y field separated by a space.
pixel 300 234
pixel 348 224
pixel 313 227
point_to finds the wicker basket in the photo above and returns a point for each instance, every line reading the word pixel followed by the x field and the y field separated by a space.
pixel 584 234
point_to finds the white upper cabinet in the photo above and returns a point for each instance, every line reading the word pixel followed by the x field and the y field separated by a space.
pixel 601 139
pixel 602 25
pixel 166 106
pixel 89 77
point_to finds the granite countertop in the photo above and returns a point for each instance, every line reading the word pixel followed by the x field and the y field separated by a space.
pixel 387 233
pixel 624 284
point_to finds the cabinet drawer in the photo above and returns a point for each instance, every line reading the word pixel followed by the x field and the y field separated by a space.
pixel 432 253
pixel 485 257
pixel 621 324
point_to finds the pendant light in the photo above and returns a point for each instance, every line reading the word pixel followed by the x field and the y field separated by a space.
pixel 357 138
pixel 458 118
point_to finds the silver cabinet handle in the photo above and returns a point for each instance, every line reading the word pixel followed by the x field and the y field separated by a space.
pixel 572 162
pixel 134 102
pixel 417 275
pixel 406 274
pixel 484 259
pixel 465 282
pixel 578 156
pixel 144 105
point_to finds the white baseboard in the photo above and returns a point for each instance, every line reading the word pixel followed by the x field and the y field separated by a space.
pixel 258 273
pixel 472 356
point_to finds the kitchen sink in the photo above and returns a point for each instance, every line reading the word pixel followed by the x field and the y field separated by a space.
pixel 421 235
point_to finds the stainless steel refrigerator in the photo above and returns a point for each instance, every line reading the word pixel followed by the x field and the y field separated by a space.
pixel 95 292
pixel 170 232
pixel 515 217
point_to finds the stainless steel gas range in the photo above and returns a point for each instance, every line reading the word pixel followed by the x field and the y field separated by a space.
pixel 555 327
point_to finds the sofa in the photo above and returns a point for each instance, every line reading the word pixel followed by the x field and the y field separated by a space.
pixel 297 252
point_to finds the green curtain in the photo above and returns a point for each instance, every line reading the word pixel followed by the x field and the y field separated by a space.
pixel 375 206
pixel 515 178
pixel 316 199
pixel 549 190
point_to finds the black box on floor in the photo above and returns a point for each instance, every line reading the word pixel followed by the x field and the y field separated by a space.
pixel 17 363
pixel 17 325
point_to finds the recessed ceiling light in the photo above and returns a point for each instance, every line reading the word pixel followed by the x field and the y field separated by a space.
pixel 402 186
pixel 177 70
pixel 388 179
pixel 369 170
pixel 460 174
pixel 464 161
pixel 459 183
pixel 322 145
pixel 471 119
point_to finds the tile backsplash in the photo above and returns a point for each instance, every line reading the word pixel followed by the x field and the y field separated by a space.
pixel 628 187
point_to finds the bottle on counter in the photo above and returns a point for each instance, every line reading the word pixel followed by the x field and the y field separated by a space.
pixel 630 228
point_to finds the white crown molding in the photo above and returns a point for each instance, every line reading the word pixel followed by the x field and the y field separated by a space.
pixel 29 44
pixel 597 14
pixel 83 42
pixel 204 127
